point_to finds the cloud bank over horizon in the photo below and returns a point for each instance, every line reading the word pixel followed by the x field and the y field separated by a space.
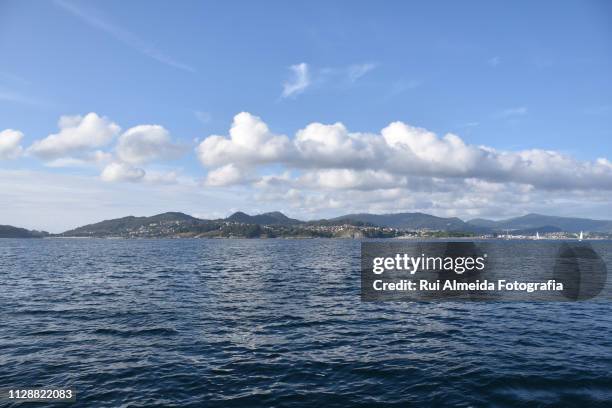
pixel 324 169
pixel 332 157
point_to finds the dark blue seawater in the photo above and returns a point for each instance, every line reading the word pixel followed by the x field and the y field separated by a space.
pixel 276 323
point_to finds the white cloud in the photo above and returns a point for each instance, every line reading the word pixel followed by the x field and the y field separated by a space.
pixel 250 142
pixel 97 157
pixel 321 170
pixel 398 154
pixel 146 143
pixel 10 147
pixel 462 198
pixel 332 146
pixel 87 140
pixel 345 179
pixel 227 175
pixel 299 82
pixel 122 172
pixel 78 135
pixel 159 177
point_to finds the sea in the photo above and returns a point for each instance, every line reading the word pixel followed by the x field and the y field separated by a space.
pixel 276 323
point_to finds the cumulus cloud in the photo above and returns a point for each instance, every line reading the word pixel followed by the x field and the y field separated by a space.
pixel 122 172
pixel 346 179
pixel 77 135
pixel 332 146
pixel 146 143
pixel 88 141
pixel 250 142
pixel 327 166
pixel 227 175
pixel 299 81
pixel 332 157
pixel 10 146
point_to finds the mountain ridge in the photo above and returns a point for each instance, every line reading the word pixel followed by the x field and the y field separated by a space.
pixel 177 224
pixel 8 231
pixel 401 221
pixel 268 218
pixel 412 220
pixel 534 221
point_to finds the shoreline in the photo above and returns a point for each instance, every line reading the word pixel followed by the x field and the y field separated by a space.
pixel 322 238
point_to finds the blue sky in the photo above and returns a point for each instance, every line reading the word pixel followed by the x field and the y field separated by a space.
pixel 512 76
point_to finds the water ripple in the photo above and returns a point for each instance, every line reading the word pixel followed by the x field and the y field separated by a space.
pixel 279 323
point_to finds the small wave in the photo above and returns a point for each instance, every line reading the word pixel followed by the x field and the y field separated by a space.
pixel 39 312
pixel 156 331
pixel 50 333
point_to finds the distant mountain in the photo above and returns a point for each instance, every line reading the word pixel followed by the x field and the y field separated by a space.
pixel 482 222
pixel 176 224
pixel 538 221
pixel 8 231
pixel 269 218
pixel 238 225
pixel 276 224
pixel 413 221
pixel 119 226
pixel 546 229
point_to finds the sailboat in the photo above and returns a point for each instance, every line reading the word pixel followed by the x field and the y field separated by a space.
pixel 537 235
pixel 581 236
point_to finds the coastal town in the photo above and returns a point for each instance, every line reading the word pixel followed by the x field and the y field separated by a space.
pixel 181 227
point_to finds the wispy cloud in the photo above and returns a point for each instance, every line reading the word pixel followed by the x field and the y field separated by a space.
pixel 359 70
pixel 402 85
pixel 343 77
pixel 123 35
pixel 8 77
pixel 468 125
pixel 299 81
pixel 203 117
pixel 494 61
pixel 16 97
pixel 512 112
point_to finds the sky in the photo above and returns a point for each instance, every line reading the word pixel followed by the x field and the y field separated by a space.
pixel 471 109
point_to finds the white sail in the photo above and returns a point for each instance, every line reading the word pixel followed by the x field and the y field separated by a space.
pixel 581 236
pixel 537 235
